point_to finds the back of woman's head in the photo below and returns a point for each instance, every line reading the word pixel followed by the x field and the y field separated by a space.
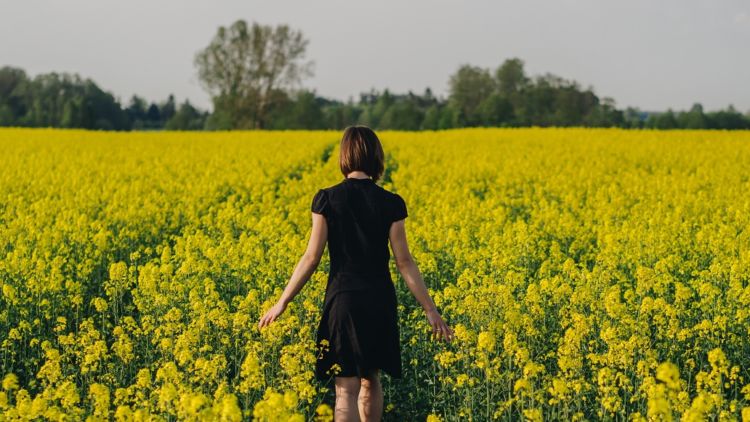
pixel 361 150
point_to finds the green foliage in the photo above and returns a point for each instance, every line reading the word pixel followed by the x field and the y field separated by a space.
pixel 57 100
pixel 469 87
pixel 505 97
pixel 187 117
pixel 249 70
pixel 511 77
pixel 68 101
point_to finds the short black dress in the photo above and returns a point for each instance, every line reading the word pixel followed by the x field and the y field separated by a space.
pixel 358 330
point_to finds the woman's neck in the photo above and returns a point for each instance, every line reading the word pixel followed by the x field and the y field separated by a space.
pixel 357 175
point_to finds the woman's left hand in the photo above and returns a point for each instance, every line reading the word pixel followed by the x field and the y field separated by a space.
pixel 272 314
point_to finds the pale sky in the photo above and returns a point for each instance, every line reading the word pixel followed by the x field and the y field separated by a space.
pixel 653 54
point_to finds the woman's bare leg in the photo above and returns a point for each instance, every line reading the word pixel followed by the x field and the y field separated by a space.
pixel 371 398
pixel 347 391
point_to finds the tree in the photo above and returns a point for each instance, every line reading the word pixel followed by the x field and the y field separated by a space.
pixel 303 112
pixel 469 87
pixel 153 115
pixel 449 117
pixel 431 119
pixel 665 120
pixel 693 119
pixel 402 115
pixel 339 116
pixel 57 100
pixel 382 104
pixel 728 119
pixel 243 66
pixel 496 110
pixel 13 82
pixel 186 117
pixel 136 112
pixel 633 118
pixel 167 109
pixel 511 77
pixel 605 114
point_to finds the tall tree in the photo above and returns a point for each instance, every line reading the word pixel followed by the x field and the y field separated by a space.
pixel 243 66
pixel 469 87
pixel 167 109
pixel 511 77
pixel 136 112
pixel 13 83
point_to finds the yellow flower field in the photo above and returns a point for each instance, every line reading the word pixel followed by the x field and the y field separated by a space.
pixel 589 274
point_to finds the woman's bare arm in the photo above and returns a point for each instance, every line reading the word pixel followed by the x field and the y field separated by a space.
pixel 410 272
pixel 303 270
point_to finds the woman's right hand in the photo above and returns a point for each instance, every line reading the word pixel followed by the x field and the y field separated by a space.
pixel 439 327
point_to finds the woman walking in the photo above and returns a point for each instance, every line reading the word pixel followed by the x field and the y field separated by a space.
pixel 358 334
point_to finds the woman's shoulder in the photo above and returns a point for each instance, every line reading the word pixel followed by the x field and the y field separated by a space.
pixel 390 194
pixel 332 188
pixel 383 193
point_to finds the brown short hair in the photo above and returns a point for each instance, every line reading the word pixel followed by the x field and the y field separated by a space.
pixel 361 150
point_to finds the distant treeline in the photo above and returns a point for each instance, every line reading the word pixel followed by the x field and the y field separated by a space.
pixel 68 101
pixel 506 97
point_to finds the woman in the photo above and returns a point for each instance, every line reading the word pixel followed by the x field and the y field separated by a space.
pixel 358 334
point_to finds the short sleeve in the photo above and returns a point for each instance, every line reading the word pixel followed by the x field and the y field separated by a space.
pixel 320 203
pixel 399 208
